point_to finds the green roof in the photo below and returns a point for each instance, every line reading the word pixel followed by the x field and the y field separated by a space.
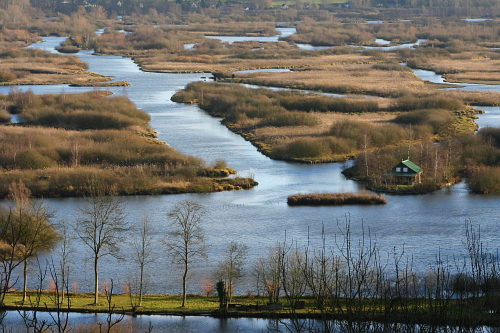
pixel 412 166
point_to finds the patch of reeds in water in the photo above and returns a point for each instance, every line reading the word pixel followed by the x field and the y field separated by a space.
pixel 335 199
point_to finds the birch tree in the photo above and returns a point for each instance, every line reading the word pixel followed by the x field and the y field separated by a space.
pixel 143 251
pixel 100 225
pixel 186 241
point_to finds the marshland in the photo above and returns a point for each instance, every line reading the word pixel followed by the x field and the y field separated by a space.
pixel 418 226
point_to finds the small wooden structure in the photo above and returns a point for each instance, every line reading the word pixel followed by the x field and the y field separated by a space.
pixel 406 173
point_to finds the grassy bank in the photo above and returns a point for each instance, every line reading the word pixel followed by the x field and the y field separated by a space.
pixel 414 311
pixel 335 199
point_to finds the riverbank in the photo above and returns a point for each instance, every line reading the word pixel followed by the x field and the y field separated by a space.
pixel 429 312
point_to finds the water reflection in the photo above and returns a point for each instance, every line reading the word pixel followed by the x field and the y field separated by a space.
pixel 196 324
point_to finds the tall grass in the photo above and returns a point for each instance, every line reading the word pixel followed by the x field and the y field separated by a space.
pixel 77 111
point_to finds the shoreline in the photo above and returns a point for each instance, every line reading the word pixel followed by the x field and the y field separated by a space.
pixel 390 317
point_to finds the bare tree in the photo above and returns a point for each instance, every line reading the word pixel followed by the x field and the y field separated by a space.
pixel 230 270
pixel 25 231
pixel 143 251
pixel 65 250
pixel 269 272
pixel 186 242
pixel 100 226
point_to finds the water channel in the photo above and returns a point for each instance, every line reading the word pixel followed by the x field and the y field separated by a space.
pixel 423 225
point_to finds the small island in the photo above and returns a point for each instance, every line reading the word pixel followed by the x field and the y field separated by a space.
pixel 335 199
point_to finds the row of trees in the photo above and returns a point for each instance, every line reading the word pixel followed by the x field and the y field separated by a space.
pixel 26 230
pixel 349 278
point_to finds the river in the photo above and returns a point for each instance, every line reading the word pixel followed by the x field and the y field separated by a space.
pixel 423 225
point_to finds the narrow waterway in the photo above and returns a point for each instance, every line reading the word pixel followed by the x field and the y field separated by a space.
pixel 423 225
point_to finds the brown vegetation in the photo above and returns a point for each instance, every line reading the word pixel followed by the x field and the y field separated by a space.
pixel 88 136
pixel 335 199
pixel 35 66
pixel 300 127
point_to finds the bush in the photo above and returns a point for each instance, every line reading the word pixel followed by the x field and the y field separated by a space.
pixel 327 104
pixel 305 148
pixel 437 118
pixel 32 159
pixel 483 180
pixel 392 67
pixel 338 145
pixel 78 111
pixel 289 119
pixel 4 116
pixel 7 75
pixel 491 134
pixel 409 103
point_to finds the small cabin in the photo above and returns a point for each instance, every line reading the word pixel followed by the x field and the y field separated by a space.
pixel 406 173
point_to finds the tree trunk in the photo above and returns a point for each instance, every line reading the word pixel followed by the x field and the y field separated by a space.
pixel 184 278
pixel 25 275
pixel 96 275
pixel 140 285
pixel 63 284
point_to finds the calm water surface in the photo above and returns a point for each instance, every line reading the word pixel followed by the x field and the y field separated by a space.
pixel 423 225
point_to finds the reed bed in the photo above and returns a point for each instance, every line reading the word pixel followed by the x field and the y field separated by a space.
pixel 343 79
pixel 335 199
pixel 89 136
pixel 35 66
pixel 240 61
pixel 324 129
pixel 92 110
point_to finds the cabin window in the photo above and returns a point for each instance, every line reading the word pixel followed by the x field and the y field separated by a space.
pixel 405 169
pixel 398 169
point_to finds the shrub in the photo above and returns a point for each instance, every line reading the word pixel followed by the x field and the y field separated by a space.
pixel 437 118
pixel 392 67
pixel 32 159
pixel 305 148
pixel 409 103
pixel 477 151
pixel 491 134
pixel 338 145
pixel 289 119
pixel 483 180
pixel 4 116
pixel 327 104
pixel 78 111
pixel 7 75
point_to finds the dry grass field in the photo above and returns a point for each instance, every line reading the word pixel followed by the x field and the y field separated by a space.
pixel 342 78
pixel 34 66
pixel 229 63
